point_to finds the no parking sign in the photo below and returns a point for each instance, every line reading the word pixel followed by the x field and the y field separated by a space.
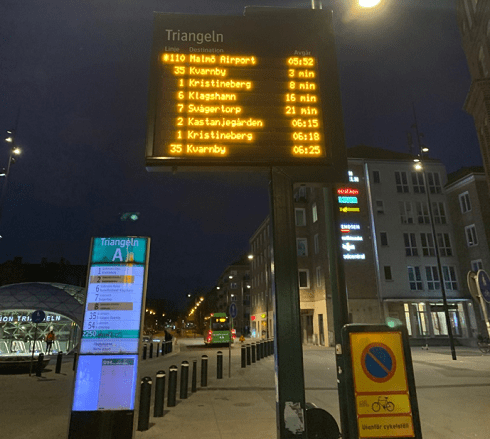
pixel 381 387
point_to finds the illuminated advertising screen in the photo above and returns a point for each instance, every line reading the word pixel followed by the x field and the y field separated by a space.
pixel 105 382
pixel 258 90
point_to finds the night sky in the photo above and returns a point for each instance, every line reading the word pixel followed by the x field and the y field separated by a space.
pixel 76 76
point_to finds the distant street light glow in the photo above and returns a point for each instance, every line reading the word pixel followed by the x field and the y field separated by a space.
pixel 369 3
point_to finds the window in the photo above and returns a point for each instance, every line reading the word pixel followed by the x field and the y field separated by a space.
pixel 233 285
pixel 319 276
pixel 406 212
pixel 434 182
pixel 464 202
pixel 428 247
pixel 439 213
pixel 471 237
pixel 300 215
pixel 304 278
pixel 422 213
pixel 376 177
pixel 314 213
pixel 302 246
pixel 387 270
pixel 380 208
pixel 383 237
pixel 316 242
pixel 414 278
pixel 401 181
pixel 476 265
pixel 444 244
pixel 410 244
pixel 301 194
pixel 432 276
pixel 418 183
pixel 449 274
pixel 233 298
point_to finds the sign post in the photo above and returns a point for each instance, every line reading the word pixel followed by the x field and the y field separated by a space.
pixel 233 313
pixel 381 392
pixel 106 377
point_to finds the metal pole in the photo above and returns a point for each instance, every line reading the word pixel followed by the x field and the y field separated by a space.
pixel 33 347
pixel 194 377
pixel 219 366
pixel 339 300
pixel 290 394
pixel 204 371
pixel 436 245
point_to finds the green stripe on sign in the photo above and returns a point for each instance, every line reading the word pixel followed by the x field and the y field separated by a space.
pixel 111 334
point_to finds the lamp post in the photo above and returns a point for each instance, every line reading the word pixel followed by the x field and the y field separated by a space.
pixel 419 165
pixel 14 150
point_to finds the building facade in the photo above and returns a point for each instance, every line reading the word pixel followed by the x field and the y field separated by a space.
pixel 388 251
pixel 474 24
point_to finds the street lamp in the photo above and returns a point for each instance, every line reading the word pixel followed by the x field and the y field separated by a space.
pixel 420 167
pixel 14 150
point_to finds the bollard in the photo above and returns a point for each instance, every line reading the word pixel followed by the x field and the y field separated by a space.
pixel 172 386
pixel 58 362
pixel 244 356
pixel 184 379
pixel 204 371
pixel 159 394
pixel 194 376
pixel 151 350
pixel 253 353
pixel 219 366
pixel 272 347
pixel 144 352
pixel 257 348
pixel 39 365
pixel 248 355
pixel 264 352
pixel 75 356
pixel 158 349
pixel 145 400
pixel 163 348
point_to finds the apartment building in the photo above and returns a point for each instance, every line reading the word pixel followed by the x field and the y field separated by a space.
pixel 388 252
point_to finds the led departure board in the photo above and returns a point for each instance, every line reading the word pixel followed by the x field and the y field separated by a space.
pixel 259 90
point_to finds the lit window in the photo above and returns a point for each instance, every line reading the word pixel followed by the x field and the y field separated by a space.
pixel 314 213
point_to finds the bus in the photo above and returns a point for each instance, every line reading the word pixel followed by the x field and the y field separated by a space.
pixel 217 329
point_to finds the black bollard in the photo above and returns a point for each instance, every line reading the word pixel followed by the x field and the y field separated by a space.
pixel 58 362
pixel 244 356
pixel 257 348
pixel 264 353
pixel 194 376
pixel 144 352
pixel 159 394
pixel 151 350
pixel 158 349
pixel 204 371
pixel 219 366
pixel 164 343
pixel 39 365
pixel 75 356
pixel 253 353
pixel 145 400
pixel 248 355
pixel 172 386
pixel 184 379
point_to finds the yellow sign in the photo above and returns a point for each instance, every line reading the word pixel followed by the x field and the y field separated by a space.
pixel 381 385
pixel 349 209
pixel 112 279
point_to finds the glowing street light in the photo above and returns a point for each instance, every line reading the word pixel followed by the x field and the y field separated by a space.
pixel 369 3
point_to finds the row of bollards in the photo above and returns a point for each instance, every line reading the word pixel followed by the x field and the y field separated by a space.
pixel 256 351
pixel 250 353
pixel 40 363
pixel 146 382
pixel 165 348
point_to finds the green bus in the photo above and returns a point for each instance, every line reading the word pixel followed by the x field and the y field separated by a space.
pixel 217 329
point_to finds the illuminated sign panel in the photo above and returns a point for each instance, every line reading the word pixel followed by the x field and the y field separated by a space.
pixel 255 90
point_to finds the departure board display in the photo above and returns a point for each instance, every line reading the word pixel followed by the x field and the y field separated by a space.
pixel 261 89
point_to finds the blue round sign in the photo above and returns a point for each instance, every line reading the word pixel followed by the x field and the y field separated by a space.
pixel 38 316
pixel 378 362
pixel 483 282
pixel 233 311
